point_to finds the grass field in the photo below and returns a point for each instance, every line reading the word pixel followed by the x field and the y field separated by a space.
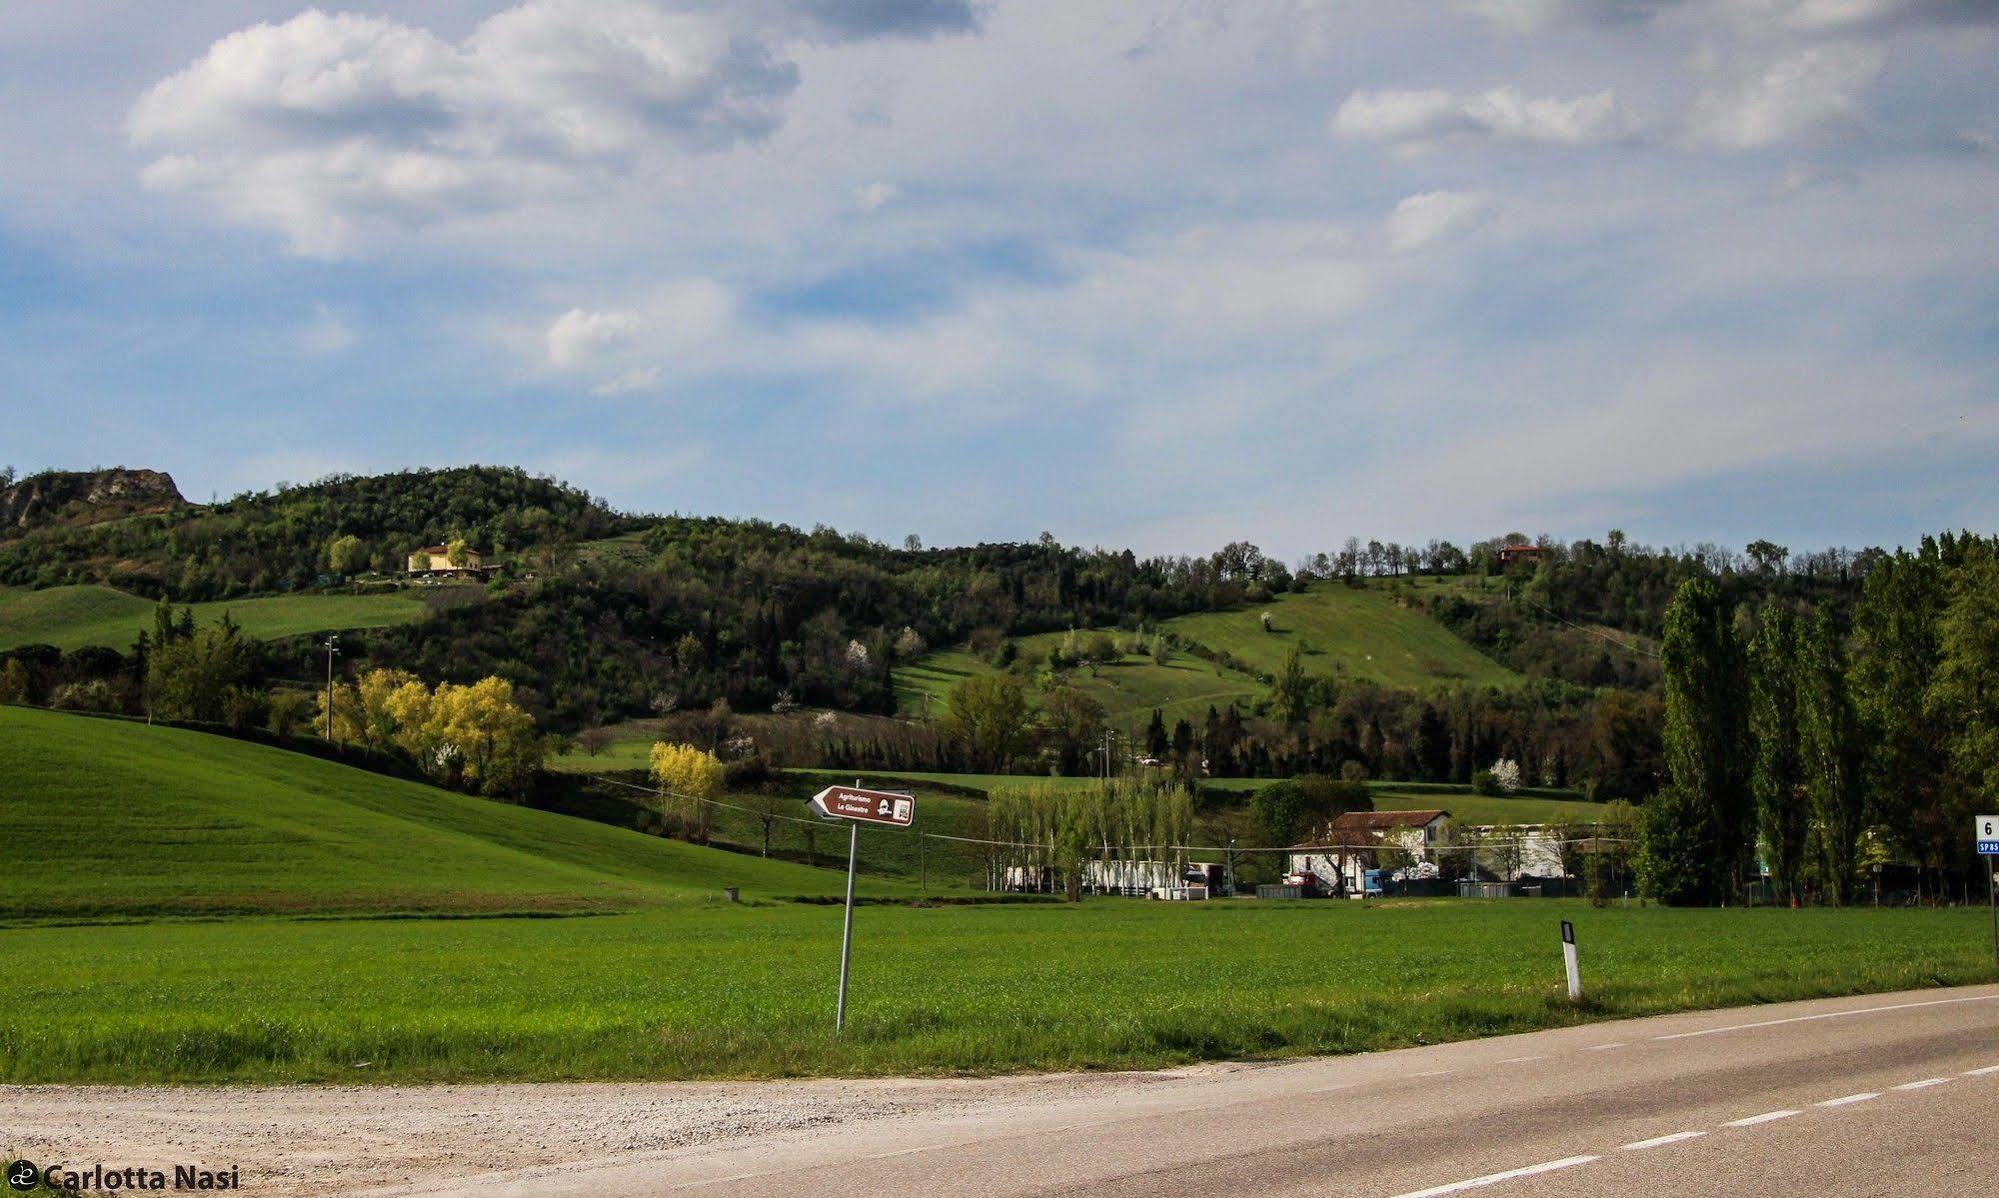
pixel 74 616
pixel 119 833
pixel 110 818
pixel 1362 633
pixel 747 991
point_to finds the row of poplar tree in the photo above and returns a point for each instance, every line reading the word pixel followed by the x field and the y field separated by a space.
pixel 1825 744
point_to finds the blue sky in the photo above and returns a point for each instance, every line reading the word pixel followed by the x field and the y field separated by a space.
pixel 1151 274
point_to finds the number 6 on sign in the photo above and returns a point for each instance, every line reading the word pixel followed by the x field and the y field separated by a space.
pixel 1986 831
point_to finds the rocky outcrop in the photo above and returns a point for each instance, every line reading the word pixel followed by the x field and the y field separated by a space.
pixel 84 497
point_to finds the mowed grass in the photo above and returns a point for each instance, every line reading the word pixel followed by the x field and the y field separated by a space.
pixel 72 617
pixel 1129 689
pixel 1360 632
pixel 718 991
pixel 1364 633
pixel 107 818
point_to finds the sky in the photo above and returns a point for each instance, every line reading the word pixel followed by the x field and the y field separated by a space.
pixel 1149 274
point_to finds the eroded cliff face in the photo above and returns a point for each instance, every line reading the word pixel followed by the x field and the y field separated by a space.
pixel 84 497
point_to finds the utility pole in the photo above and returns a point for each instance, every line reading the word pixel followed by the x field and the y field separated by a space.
pixel 332 647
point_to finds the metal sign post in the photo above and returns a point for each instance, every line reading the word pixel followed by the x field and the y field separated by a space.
pixel 1569 960
pixel 857 807
pixel 1985 829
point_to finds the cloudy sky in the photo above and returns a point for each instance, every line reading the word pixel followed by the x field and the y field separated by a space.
pixel 1150 273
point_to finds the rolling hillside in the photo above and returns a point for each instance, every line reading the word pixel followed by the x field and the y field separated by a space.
pixel 110 818
pixel 72 617
pixel 1361 633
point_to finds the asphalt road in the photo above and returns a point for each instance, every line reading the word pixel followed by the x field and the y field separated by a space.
pixel 1876 1095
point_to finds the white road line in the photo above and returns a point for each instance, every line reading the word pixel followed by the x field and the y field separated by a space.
pixel 1924 1084
pixel 1765 1117
pixel 1900 1006
pixel 1981 1072
pixel 1517 1060
pixel 1605 1047
pixel 1493 1179
pixel 1661 1141
pixel 1850 1099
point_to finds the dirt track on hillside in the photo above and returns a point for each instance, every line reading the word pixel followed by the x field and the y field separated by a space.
pixel 319 1140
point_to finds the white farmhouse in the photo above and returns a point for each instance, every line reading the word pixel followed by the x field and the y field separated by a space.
pixel 1340 855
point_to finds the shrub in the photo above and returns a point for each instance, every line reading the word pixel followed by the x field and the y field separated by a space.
pixel 1486 783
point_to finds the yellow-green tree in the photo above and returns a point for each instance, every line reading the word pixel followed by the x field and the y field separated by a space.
pixel 457 553
pixel 687 777
pixel 347 726
pixel 346 555
pixel 14 682
pixel 485 740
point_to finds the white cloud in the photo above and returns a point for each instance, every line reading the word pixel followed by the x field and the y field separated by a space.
pixel 1416 117
pixel 688 324
pixel 1425 219
pixel 328 127
pixel 871 196
pixel 580 338
pixel 1787 98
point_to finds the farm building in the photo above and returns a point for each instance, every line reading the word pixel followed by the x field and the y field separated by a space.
pixel 1340 854
pixel 1530 554
pixel 1510 852
pixel 435 561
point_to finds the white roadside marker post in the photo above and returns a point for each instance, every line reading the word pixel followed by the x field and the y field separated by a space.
pixel 858 807
pixel 1569 960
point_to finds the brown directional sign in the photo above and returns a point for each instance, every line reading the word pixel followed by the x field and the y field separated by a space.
pixel 868 806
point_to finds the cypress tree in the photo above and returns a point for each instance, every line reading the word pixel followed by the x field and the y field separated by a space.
pixel 1700 836
pixel 1773 718
pixel 1833 754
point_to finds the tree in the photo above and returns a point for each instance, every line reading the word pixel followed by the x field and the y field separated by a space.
pixel 458 553
pixel 688 779
pixel 595 741
pixel 768 809
pixel 346 555
pixel 1778 779
pixel 192 675
pixel 1073 723
pixel 1965 694
pixel 288 712
pixel 1283 811
pixel 1291 689
pixel 1832 753
pixel 1156 744
pixel 1768 556
pixel 988 716
pixel 14 684
pixel 1707 744
pixel 1896 656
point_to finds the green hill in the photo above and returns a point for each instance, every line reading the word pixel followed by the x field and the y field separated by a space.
pixel 71 617
pixel 1363 633
pixel 110 818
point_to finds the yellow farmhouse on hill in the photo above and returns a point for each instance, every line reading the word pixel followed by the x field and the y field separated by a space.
pixel 436 559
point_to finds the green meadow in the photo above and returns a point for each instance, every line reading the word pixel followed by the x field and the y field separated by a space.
pixel 1371 632
pixel 185 907
pixel 718 991
pixel 72 617
pixel 114 819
